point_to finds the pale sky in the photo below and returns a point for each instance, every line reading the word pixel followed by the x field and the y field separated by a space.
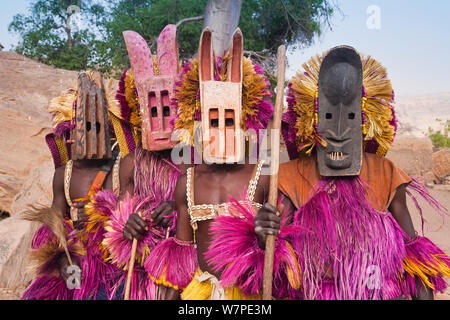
pixel 412 41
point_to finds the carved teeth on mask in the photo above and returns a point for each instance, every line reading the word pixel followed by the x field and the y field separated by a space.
pixel 337 156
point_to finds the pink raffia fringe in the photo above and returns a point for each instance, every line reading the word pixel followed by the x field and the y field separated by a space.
pixel 172 263
pixel 155 178
pixel 361 248
pixel 48 288
pixel 234 251
pixel 48 285
pixel 42 236
pixel 416 186
pixel 118 246
pixel 96 273
pixel 427 263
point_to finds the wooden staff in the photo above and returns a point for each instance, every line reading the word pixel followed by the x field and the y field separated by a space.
pixel 274 165
pixel 131 267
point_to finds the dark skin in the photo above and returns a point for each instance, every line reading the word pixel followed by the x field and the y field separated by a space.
pixel 83 174
pixel 397 208
pixel 214 184
pixel 136 227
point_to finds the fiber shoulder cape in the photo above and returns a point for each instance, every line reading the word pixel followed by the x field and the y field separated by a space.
pixel 351 239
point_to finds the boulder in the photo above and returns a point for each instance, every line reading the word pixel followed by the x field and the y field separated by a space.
pixel 25 91
pixel 16 234
pixel 441 163
pixel 36 189
pixel 15 242
pixel 411 154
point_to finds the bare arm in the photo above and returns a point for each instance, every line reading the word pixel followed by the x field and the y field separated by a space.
pixel 59 198
pixel 184 230
pixel 126 176
pixel 401 214
pixel 59 202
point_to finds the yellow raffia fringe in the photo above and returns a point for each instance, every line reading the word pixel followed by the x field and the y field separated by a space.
pixel 110 92
pixel 305 88
pixel 115 115
pixel 294 277
pixel 94 220
pixel 188 103
pixel 202 291
pixel 163 281
pixel 422 270
pixel 253 91
pixel 132 100
pixel 62 150
pixel 61 107
pixel 376 105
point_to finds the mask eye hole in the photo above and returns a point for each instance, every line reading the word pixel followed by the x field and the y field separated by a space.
pixel 229 122
pixel 154 112
pixel 97 127
pixel 214 123
pixel 351 116
pixel 329 116
pixel 166 111
pixel 88 126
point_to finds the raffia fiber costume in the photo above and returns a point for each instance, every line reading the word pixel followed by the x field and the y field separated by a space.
pixel 83 244
pixel 155 174
pixel 174 263
pixel 351 247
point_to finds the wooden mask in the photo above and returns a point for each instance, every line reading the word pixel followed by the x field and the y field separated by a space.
pixel 340 118
pixel 221 102
pixel 155 91
pixel 90 135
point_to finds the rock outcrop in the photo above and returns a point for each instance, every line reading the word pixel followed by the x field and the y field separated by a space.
pixel 16 234
pixel 25 91
pixel 413 155
pixel 26 168
pixel 441 164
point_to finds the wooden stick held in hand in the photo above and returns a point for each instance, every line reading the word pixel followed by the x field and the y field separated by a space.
pixel 131 267
pixel 274 165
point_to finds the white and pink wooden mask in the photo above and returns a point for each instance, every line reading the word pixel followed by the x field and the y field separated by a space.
pixel 221 102
pixel 155 91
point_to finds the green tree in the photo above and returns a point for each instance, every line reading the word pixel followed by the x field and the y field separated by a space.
pixel 59 32
pixel 266 24
pixel 440 138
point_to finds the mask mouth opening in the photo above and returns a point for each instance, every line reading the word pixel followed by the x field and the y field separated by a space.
pixel 337 156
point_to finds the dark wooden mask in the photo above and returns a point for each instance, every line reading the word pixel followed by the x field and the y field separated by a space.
pixel 91 137
pixel 339 121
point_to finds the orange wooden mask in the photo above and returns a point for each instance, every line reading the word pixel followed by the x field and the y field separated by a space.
pixel 155 91
pixel 221 103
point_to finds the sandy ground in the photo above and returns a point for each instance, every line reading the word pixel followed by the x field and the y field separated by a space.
pixel 436 228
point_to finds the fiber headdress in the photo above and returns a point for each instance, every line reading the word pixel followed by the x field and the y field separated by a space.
pixel 256 111
pixel 61 108
pixel 124 114
pixel 378 117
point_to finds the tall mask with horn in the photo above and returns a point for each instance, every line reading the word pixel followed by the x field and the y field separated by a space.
pixel 339 113
pixel 155 82
pixel 221 102
pixel 90 138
